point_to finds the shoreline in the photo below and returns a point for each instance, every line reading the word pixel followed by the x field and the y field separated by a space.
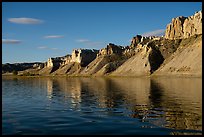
pixel 107 76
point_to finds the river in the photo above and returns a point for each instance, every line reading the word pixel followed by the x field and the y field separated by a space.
pixel 84 105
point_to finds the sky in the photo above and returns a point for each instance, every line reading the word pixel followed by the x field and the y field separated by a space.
pixel 36 31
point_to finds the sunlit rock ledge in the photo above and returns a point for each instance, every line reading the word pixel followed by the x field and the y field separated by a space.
pixel 177 53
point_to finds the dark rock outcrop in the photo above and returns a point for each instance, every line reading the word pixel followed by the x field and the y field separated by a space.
pixel 136 40
pixel 155 59
pixel 20 66
pixel 84 56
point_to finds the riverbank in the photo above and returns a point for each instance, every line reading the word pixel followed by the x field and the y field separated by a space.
pixel 106 76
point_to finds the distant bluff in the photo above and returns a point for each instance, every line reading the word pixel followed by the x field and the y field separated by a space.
pixel 184 27
pixel 179 52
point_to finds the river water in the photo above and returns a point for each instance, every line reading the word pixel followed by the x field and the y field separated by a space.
pixel 63 105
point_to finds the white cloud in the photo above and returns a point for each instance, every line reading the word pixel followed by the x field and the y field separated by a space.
pixel 42 47
pixel 54 36
pixel 158 32
pixel 10 41
pixel 54 48
pixel 89 42
pixel 25 20
pixel 82 40
pixel 47 48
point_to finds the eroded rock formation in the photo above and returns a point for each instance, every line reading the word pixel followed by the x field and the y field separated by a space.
pixel 112 55
pixel 20 66
pixel 146 60
pixel 186 60
pixel 136 40
pixel 193 25
pixel 111 49
pixel 184 27
pixel 179 52
pixel 83 56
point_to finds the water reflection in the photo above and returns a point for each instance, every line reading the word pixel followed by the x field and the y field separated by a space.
pixel 49 88
pixel 72 90
pixel 182 102
pixel 174 103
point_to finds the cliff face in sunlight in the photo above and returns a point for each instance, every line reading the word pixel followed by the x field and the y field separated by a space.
pixel 179 52
pixel 187 60
pixel 184 27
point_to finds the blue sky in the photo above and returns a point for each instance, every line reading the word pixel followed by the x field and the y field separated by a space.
pixel 35 31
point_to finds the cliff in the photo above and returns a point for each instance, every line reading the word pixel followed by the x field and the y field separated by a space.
pixel 184 27
pixel 21 66
pixel 108 59
pixel 146 60
pixel 69 64
pixel 83 56
pixel 179 52
pixel 187 60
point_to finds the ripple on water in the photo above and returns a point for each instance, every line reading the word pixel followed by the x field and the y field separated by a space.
pixel 101 106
